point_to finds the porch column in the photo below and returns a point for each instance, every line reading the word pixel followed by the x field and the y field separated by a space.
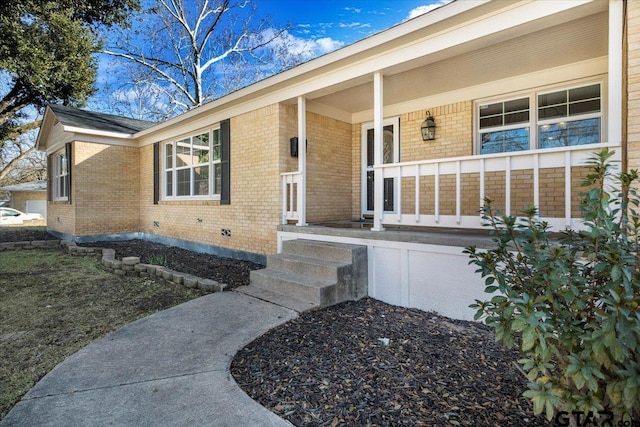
pixel 302 161
pixel 378 115
pixel 616 24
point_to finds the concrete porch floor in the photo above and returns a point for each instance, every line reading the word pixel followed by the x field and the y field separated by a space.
pixel 425 235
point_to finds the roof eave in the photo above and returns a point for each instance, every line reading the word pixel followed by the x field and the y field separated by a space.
pixel 95 132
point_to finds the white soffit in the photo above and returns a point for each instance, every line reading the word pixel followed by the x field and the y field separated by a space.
pixel 577 41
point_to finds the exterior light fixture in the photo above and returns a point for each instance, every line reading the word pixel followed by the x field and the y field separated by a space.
pixel 428 128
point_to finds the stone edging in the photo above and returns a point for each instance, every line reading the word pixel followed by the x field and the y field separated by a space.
pixel 129 266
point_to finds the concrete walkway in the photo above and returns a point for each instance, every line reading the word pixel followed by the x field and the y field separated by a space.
pixel 167 369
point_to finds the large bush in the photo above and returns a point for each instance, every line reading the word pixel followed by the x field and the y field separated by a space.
pixel 569 300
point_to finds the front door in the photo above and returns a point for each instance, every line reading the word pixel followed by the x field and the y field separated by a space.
pixel 390 154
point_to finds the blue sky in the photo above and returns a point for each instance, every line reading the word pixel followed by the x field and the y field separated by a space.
pixel 331 24
pixel 316 27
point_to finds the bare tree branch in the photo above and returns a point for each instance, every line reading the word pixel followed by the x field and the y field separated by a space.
pixel 188 46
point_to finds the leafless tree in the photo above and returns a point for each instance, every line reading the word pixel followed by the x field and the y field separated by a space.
pixel 19 161
pixel 191 52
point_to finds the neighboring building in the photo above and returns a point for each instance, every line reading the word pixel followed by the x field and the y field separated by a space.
pixel 28 197
pixel 521 93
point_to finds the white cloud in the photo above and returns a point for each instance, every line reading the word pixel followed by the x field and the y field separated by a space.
pixel 353 9
pixel 308 47
pixel 353 25
pixel 421 10
pixel 327 44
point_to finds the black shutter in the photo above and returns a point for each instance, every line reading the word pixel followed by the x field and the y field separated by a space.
pixel 225 162
pixel 50 178
pixel 156 173
pixel 67 149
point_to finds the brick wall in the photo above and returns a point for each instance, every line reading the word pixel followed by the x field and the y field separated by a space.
pixel 257 156
pixel 454 127
pixel 106 190
pixel 329 195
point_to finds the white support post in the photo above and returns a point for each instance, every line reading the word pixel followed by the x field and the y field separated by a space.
pixel 458 192
pixel 536 183
pixel 378 115
pixel 302 161
pixel 417 189
pixel 616 25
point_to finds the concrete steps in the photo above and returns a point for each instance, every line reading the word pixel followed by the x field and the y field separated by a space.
pixel 311 274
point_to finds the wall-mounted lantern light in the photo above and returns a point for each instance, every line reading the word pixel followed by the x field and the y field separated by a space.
pixel 428 128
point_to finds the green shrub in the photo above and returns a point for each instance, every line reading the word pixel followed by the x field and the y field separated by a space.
pixel 569 300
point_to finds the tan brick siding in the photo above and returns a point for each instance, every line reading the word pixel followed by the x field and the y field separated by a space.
pixel 329 195
pixel 106 191
pixel 453 133
pixel 257 157
pixel 61 217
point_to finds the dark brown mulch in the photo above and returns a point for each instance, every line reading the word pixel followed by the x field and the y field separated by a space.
pixel 233 272
pixel 329 368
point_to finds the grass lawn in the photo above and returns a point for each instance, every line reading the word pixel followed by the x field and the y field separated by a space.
pixel 52 304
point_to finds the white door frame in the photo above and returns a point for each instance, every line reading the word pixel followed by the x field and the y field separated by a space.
pixel 395 122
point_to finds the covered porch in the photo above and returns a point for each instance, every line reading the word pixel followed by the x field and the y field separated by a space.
pixel 522 95
pixel 493 78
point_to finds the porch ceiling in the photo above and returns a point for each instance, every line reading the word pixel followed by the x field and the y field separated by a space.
pixel 570 37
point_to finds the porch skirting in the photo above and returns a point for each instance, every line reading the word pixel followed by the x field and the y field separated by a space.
pixel 419 269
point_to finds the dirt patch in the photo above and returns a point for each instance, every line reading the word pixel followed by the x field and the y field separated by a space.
pixel 335 367
pixel 24 234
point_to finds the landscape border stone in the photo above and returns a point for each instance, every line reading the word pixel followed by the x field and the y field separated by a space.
pixel 129 266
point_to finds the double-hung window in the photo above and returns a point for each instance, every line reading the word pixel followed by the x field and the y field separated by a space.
pixel 60 176
pixel 504 126
pixel 569 117
pixel 192 167
pixel 544 119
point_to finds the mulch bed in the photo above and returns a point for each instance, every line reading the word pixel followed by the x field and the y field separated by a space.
pixel 330 368
pixel 233 272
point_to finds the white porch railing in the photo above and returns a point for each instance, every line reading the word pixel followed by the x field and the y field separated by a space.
pixel 290 182
pixel 537 161
pixel 534 160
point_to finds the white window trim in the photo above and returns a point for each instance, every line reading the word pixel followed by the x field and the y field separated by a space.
pixel 57 174
pixel 175 168
pixel 533 124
